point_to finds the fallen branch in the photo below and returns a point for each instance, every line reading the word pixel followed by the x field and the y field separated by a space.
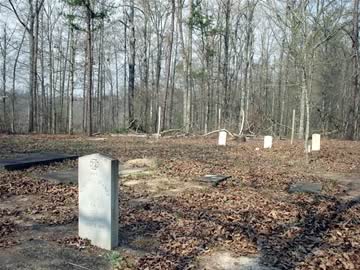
pixel 79 266
pixel 217 131
pixel 130 135
pixel 170 130
pixel 177 136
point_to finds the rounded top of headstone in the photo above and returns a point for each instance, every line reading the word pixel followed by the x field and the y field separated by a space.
pixel 97 156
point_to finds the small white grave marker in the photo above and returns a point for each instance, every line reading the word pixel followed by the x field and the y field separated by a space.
pixel 98 200
pixel 316 142
pixel 308 149
pixel 268 142
pixel 222 138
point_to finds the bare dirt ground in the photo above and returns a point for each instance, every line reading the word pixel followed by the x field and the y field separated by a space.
pixel 169 220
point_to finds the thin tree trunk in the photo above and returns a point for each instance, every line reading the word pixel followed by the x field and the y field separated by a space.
pixel 354 108
pixel 169 59
pixel 13 117
pixel 4 71
pixel 72 82
pixel 131 86
pixel 89 68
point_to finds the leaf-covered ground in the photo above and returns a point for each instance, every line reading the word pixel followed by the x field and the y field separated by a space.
pixel 250 214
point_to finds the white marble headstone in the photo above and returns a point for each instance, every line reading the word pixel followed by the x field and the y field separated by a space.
pixel 268 142
pixel 316 142
pixel 98 200
pixel 222 138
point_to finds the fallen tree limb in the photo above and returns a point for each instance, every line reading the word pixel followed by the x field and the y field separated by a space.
pixel 130 135
pixel 170 130
pixel 217 131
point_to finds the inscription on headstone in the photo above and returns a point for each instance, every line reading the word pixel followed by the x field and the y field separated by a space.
pixel 222 138
pixel 268 142
pixel 98 200
pixel 316 142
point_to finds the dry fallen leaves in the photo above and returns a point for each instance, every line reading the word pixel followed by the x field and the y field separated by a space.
pixel 252 213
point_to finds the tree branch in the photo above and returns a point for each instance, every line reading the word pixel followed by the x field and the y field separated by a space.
pixel 18 16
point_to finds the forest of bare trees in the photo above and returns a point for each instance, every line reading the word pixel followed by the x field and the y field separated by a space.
pixel 72 66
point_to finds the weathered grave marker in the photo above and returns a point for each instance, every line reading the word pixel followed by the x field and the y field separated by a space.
pixel 268 142
pixel 222 138
pixel 316 142
pixel 98 200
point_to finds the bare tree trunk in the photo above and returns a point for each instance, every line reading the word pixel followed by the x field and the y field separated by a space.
pixel 32 74
pixel 186 57
pixel 169 59
pixel 354 108
pixel 52 109
pixel 131 86
pixel 125 74
pixel 13 117
pixel 226 59
pixel 84 114
pixel 173 79
pixel 4 71
pixel 72 81
pixel 89 67
pixel 117 88
pixel 32 27
pixel 302 108
pixel 43 103
pixel 248 59
pixel 189 89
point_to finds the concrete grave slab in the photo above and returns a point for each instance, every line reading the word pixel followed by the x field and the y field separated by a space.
pixel 25 161
pixel 304 187
pixel 214 179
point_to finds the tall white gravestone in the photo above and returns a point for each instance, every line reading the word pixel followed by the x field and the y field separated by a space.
pixel 98 200
pixel 222 138
pixel 268 142
pixel 315 142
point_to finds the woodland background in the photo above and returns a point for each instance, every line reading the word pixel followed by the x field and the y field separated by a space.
pixel 107 66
